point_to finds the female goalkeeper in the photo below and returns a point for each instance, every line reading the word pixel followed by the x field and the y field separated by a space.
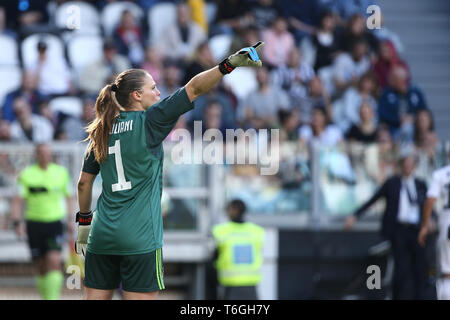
pixel 122 241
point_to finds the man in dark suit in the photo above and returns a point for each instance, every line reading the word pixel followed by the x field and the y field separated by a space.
pixel 405 197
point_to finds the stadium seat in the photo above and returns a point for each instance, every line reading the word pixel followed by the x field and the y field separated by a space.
pixel 82 50
pixel 82 17
pixel 242 81
pixel 28 47
pixel 160 16
pixel 10 55
pixel 11 79
pixel 111 13
pixel 69 105
pixel 220 46
pixel 210 12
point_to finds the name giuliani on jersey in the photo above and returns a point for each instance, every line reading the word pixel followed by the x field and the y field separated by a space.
pixel 121 127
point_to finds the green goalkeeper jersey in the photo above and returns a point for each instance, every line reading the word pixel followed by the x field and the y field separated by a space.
pixel 127 219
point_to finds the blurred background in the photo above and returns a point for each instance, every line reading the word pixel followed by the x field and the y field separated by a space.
pixel 348 101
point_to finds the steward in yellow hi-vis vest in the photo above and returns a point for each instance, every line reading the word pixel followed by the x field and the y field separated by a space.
pixel 239 254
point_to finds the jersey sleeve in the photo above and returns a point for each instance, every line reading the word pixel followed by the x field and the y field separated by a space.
pixel 90 165
pixel 162 117
pixel 435 186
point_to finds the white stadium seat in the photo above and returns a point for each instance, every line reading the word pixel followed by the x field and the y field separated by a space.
pixel 55 47
pixel 69 105
pixel 111 14
pixel 82 17
pixel 10 79
pixel 83 50
pixel 220 45
pixel 160 16
pixel 10 54
pixel 242 81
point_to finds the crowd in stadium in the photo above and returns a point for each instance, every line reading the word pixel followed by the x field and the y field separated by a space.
pixel 325 74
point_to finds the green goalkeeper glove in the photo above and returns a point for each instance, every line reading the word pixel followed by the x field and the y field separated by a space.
pixel 84 227
pixel 246 57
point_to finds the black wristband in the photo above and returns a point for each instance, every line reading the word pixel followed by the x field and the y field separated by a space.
pixel 225 67
pixel 84 219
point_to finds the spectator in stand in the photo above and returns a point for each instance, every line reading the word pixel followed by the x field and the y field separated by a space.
pixel 4 30
pixel 231 16
pixel 214 95
pixel 129 39
pixel 201 61
pixel 387 59
pixel 294 72
pixel 171 79
pixel 214 118
pixel 349 67
pixel 24 15
pixel 289 122
pixel 264 12
pixel 182 38
pixel 73 128
pixel 315 97
pixel 356 30
pixel 386 156
pixel 28 91
pixel 385 34
pixel 278 43
pixel 53 72
pixel 294 77
pixel 346 109
pixel 425 138
pixel 245 37
pixel 365 131
pixel 261 107
pixel 347 8
pixel 321 129
pixel 146 4
pixel 198 10
pixel 399 102
pixel 324 41
pixel 46 112
pixel 5 131
pixel 95 75
pixel 303 16
pixel 380 158
pixel 154 62
pixel 29 127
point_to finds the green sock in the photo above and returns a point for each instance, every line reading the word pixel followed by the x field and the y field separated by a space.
pixel 40 284
pixel 53 284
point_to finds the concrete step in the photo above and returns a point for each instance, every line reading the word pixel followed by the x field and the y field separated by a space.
pixel 436 88
pixel 413 6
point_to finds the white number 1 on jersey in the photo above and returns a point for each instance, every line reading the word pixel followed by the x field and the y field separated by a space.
pixel 122 184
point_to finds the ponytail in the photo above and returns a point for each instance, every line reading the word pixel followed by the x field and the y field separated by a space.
pixel 106 111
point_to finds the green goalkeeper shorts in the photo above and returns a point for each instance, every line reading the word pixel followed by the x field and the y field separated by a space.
pixel 137 272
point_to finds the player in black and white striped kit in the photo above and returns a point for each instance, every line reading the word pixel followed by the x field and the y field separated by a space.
pixel 440 189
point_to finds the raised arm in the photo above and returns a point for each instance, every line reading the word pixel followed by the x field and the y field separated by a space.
pixel 203 82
